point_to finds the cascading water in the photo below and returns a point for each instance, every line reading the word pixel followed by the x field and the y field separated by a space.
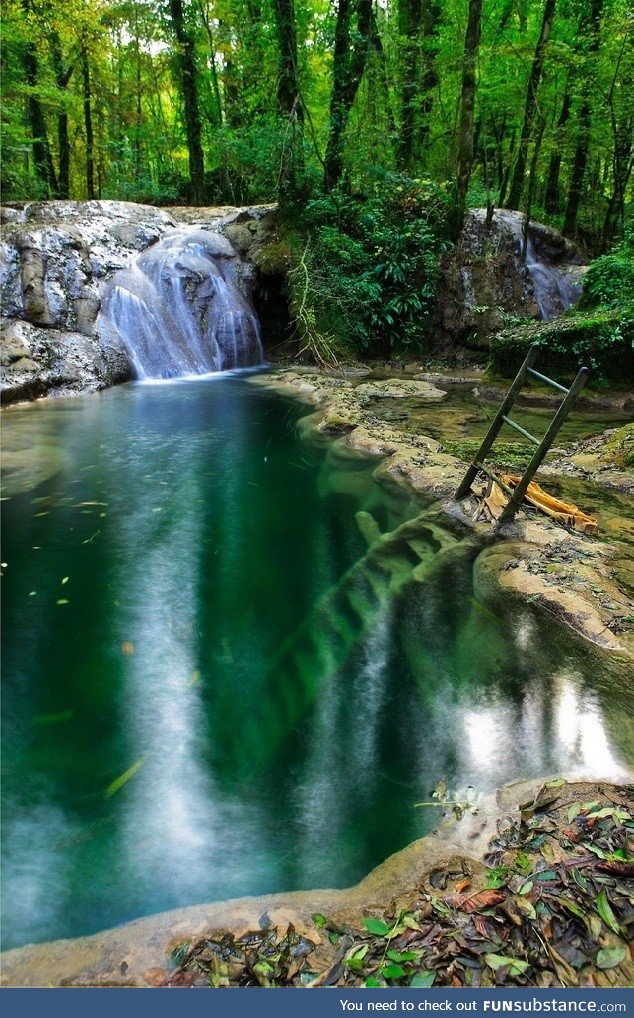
pixel 179 309
pixel 556 286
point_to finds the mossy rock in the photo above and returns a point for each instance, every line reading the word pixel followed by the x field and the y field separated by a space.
pixel 601 340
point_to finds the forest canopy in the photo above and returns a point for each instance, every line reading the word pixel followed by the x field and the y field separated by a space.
pixel 520 103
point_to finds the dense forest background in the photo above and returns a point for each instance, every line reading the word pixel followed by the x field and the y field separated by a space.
pixel 519 102
pixel 375 123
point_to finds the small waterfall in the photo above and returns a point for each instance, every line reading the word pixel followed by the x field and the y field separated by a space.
pixel 556 283
pixel 179 308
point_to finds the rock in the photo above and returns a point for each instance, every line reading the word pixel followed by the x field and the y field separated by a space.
pixel 397 388
pixel 484 280
pixel 38 361
pixel 56 260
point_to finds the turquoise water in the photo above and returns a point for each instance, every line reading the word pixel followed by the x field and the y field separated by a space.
pixel 180 724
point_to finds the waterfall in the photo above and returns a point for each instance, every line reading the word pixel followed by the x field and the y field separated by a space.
pixel 556 282
pixel 179 308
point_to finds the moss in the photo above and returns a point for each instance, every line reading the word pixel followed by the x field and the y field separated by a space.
pixel 600 339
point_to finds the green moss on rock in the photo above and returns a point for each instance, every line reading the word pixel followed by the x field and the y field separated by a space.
pixel 601 339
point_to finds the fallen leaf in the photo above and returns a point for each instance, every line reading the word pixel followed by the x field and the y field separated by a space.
pixel 610 957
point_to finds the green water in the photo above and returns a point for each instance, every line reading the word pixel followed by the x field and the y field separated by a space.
pixel 190 713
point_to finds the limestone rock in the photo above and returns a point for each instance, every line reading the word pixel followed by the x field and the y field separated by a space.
pixel 397 388
pixel 38 361
pixel 56 261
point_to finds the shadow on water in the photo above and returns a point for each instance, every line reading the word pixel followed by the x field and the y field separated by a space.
pixel 221 679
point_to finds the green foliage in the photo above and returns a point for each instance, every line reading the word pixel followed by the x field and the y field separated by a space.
pixel 601 340
pixel 609 282
pixel 370 266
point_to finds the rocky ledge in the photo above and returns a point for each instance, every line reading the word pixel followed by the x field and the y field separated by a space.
pixel 56 258
pixel 524 887
pixel 580 580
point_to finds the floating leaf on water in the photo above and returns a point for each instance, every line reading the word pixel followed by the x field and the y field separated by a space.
pixel 606 913
pixel 158 509
pixel 376 927
pixel 52 719
pixel 127 648
pixel 42 514
pixel 32 593
pixel 64 580
pixel 610 957
pixel 119 782
pixel 194 678
pixel 62 600
pixel 423 978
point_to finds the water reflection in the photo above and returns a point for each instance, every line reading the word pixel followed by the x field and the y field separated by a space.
pixel 210 692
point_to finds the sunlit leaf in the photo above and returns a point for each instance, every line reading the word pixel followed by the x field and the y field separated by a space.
pixel 119 782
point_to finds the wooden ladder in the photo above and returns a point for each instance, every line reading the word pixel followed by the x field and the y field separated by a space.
pixel 516 495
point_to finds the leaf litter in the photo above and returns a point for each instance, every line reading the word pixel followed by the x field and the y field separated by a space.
pixel 560 913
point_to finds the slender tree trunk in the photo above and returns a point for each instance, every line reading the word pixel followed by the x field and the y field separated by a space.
pixel 215 84
pixel 532 174
pixel 139 112
pixel 42 157
pixel 377 46
pixel 418 25
pixel 62 78
pixel 467 106
pixel 583 140
pixel 188 85
pixel 350 57
pixel 551 195
pixel 409 21
pixel 90 143
pixel 289 99
pixel 517 181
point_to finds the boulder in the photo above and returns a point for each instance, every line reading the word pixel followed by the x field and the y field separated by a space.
pixel 485 283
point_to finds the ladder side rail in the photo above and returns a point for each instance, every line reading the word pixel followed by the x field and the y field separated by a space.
pixel 497 423
pixel 515 502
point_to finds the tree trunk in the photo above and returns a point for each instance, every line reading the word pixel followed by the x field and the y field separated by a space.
pixel 188 85
pixel 517 181
pixel 583 140
pixel 377 46
pixel 467 106
pixel 62 77
pixel 212 63
pixel 551 195
pixel 289 99
pixel 418 25
pixel 90 144
pixel 350 57
pixel 42 157
pixel 409 21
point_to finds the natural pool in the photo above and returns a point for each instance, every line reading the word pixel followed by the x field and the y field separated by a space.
pixel 165 545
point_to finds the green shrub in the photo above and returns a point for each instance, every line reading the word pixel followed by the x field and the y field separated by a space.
pixel 366 266
pixel 601 340
pixel 609 282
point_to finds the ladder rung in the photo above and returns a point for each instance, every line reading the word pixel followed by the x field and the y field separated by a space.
pixel 493 477
pixel 548 381
pixel 522 430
